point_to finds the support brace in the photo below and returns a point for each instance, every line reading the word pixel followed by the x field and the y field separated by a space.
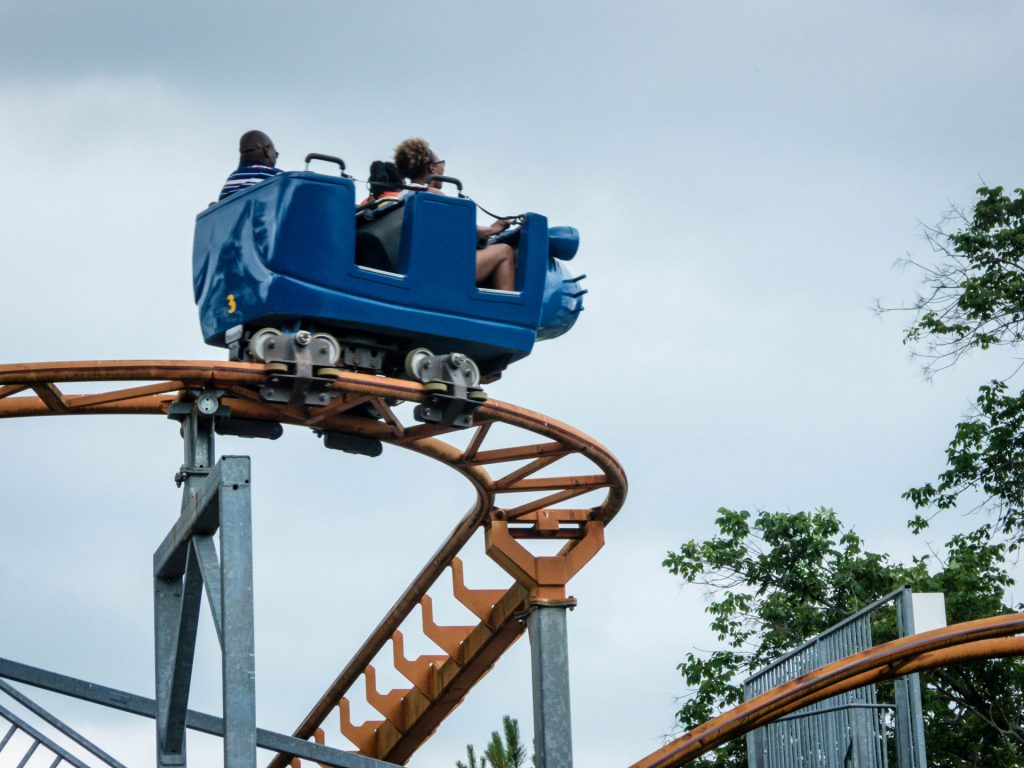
pixel 545 576
pixel 215 500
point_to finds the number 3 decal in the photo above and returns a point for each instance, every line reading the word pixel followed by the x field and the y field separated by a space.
pixel 231 304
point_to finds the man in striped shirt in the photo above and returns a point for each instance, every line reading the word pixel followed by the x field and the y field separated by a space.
pixel 257 156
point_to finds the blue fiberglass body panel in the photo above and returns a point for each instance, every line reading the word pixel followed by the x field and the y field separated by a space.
pixel 283 250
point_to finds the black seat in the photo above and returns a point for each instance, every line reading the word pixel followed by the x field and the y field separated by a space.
pixel 379 234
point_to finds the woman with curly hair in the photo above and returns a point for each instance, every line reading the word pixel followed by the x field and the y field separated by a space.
pixel 495 263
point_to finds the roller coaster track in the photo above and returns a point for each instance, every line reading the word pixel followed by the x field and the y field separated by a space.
pixel 438 682
pixel 970 641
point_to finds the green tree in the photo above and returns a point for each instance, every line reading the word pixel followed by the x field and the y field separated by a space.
pixel 974 300
pixel 471 761
pixel 504 750
pixel 777 579
pixel 507 752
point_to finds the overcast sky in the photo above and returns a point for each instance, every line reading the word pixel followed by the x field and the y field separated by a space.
pixel 743 175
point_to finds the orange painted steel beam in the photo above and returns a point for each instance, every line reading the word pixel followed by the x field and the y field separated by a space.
pixel 546 576
pixel 973 640
pixel 439 682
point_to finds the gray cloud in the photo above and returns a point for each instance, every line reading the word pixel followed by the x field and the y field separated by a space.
pixel 743 177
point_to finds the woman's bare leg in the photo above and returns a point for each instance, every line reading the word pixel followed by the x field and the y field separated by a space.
pixel 496 267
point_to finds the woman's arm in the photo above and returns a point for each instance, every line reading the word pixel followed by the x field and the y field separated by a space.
pixel 499 226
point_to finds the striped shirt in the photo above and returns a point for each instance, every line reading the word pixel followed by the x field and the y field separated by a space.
pixel 245 177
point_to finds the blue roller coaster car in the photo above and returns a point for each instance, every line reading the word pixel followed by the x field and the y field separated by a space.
pixel 292 254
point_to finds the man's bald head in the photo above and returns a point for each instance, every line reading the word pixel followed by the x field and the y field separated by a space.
pixel 256 148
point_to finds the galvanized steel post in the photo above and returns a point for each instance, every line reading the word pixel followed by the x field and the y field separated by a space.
pixel 909 715
pixel 216 498
pixel 549 654
pixel 176 604
pixel 238 646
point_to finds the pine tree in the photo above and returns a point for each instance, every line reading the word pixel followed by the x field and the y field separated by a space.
pixel 504 750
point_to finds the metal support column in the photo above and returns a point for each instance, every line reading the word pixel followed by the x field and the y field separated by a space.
pixel 549 654
pixel 215 498
pixel 238 645
pixel 909 716
pixel 176 603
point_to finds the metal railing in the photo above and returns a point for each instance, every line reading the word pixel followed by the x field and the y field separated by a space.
pixel 10 745
pixel 850 730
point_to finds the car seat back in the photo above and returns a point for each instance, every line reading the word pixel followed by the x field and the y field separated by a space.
pixel 379 235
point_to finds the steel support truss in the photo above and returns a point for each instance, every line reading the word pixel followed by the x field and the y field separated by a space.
pixel 215 499
pixel 519 500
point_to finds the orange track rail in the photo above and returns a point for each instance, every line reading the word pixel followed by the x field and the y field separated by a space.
pixel 439 682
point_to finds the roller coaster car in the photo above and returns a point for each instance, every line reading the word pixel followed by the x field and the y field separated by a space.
pixel 287 262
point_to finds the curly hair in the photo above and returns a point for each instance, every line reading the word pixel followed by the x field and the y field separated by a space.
pixel 412 157
pixel 384 177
